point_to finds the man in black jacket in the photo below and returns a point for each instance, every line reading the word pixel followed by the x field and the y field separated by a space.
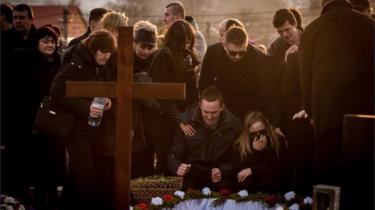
pixel 336 58
pixel 296 123
pixel 203 159
pixel 243 74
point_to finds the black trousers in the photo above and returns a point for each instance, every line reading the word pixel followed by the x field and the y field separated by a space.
pixel 327 157
pixel 49 164
pixel 90 181
pixel 159 131
pixel 300 136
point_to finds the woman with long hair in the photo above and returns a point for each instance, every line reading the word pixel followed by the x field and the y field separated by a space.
pixel 175 62
pixel 260 157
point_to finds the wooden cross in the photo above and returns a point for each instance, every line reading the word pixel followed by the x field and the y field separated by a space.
pixel 124 90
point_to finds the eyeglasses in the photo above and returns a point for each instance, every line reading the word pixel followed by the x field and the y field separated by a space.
pixel 234 53
pixel 253 135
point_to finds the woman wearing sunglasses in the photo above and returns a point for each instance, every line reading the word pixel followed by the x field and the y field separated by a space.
pixel 260 156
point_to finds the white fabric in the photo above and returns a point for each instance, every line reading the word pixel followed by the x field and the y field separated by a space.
pixel 207 204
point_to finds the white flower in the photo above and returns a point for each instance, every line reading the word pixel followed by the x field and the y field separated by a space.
pixel 243 193
pixel 307 200
pixel 157 201
pixel 9 199
pixel 180 194
pixel 289 195
pixel 9 208
pixel 131 208
pixel 294 207
pixel 206 191
pixel 279 208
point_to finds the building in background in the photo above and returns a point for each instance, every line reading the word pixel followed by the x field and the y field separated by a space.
pixel 68 18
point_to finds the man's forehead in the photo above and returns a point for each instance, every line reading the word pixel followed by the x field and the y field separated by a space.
pixel 210 106
pixel 20 13
pixel 286 24
pixel 169 10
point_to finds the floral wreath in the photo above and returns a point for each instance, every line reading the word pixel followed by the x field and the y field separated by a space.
pixel 10 203
pixel 290 201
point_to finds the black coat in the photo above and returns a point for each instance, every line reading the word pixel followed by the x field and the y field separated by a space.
pixel 25 84
pixel 336 57
pixel 246 85
pixel 79 39
pixel 82 67
pixel 205 150
pixel 265 164
pixel 278 48
pixel 164 68
pixel 291 97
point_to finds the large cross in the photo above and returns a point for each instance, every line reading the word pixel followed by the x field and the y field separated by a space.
pixel 124 90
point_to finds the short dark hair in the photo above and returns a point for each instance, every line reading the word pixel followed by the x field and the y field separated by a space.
pixel 6 10
pixel 43 32
pixel 56 28
pixel 97 14
pixel 102 40
pixel 25 7
pixel 177 8
pixel 283 15
pixel 212 93
pixel 236 35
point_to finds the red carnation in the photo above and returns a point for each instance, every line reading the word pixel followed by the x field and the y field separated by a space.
pixel 142 206
pixel 168 197
pixel 224 192
pixel 271 199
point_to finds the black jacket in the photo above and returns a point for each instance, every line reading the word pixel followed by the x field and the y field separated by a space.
pixel 82 67
pixel 246 85
pixel 265 164
pixel 165 69
pixel 24 84
pixel 79 39
pixel 336 58
pixel 206 149
pixel 278 48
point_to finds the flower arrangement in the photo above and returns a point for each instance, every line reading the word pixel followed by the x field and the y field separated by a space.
pixel 9 203
pixel 290 201
pixel 145 188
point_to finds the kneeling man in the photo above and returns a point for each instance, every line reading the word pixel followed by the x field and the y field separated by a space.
pixel 203 158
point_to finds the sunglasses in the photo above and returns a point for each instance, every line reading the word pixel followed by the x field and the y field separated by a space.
pixel 234 53
pixel 253 135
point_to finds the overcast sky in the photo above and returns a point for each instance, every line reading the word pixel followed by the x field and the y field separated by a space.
pixel 85 5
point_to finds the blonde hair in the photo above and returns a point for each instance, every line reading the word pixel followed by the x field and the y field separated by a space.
pixel 243 142
pixel 146 25
pixel 112 20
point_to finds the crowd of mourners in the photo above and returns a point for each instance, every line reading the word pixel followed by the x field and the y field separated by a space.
pixel 264 120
